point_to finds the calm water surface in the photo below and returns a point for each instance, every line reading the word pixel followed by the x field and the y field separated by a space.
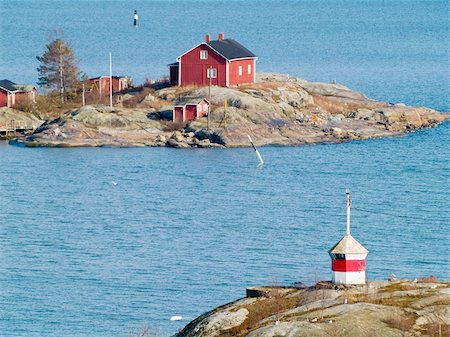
pixel 98 242
pixel 101 241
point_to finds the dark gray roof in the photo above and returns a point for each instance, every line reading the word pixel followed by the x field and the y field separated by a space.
pixel 189 101
pixel 8 85
pixel 230 49
pixel 175 64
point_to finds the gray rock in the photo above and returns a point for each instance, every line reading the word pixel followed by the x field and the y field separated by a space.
pixel 161 138
pixel 337 132
pixel 364 114
pixel 205 143
pixel 296 119
pixel 177 144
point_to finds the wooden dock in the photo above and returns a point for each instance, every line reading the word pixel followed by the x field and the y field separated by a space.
pixel 12 128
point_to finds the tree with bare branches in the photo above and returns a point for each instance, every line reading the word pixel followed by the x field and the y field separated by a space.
pixel 58 68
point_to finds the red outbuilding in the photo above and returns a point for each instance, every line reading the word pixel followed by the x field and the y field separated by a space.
pixel 100 85
pixel 189 109
pixel 222 62
pixel 12 93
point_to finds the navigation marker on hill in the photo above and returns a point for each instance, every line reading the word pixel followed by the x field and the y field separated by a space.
pixel 348 257
pixel 261 161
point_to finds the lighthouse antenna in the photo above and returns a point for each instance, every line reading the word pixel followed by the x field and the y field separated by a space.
pixel 348 211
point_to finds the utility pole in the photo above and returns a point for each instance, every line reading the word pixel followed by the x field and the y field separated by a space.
pixel 209 97
pixel 110 80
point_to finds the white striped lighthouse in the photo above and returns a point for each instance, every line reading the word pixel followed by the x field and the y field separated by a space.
pixel 348 257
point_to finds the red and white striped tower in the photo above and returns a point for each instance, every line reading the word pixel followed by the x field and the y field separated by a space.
pixel 348 257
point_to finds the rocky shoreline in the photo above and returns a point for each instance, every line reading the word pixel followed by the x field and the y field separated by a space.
pixel 419 307
pixel 277 110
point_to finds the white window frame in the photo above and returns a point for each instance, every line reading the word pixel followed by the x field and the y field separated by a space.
pixel 240 70
pixel 211 73
pixel 249 69
pixel 203 54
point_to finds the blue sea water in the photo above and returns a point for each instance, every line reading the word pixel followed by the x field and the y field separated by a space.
pixel 100 242
pixel 391 50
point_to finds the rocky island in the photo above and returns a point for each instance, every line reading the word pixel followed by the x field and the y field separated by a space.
pixel 418 307
pixel 276 110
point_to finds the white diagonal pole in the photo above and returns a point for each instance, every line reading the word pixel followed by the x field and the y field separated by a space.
pixel 261 161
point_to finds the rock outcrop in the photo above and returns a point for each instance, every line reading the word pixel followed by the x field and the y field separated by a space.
pixel 25 121
pixel 277 110
pixel 400 308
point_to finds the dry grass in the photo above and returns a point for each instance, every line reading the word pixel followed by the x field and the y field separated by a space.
pixel 403 301
pixel 133 101
pixel 168 126
pixel 185 89
pixel 50 106
pixel 428 279
pixel 336 106
pixel 92 99
pixel 266 86
pixel 261 309
pixel 399 286
pixel 436 330
pixel 25 105
pixel 402 323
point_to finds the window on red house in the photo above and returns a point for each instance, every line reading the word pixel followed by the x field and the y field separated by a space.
pixel 212 73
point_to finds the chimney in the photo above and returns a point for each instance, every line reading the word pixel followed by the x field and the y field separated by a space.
pixel 221 37
pixel 207 38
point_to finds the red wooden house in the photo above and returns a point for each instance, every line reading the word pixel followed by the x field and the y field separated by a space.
pixel 189 109
pixel 100 85
pixel 12 93
pixel 224 62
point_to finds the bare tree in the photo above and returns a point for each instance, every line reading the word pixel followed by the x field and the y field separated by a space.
pixel 58 67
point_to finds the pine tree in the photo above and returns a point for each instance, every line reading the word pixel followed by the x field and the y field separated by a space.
pixel 58 67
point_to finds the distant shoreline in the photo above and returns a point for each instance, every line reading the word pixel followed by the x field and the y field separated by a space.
pixel 278 110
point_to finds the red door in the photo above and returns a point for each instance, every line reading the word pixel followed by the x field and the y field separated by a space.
pixel 191 112
pixel 178 114
pixel 3 98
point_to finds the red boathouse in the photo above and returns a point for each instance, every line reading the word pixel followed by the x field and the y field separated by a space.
pixel 189 109
pixel 11 93
pixel 222 62
pixel 100 85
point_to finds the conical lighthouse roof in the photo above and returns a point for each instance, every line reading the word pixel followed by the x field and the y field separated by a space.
pixel 348 245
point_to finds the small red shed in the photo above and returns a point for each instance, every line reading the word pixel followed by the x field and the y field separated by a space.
pixel 12 93
pixel 222 62
pixel 189 109
pixel 101 84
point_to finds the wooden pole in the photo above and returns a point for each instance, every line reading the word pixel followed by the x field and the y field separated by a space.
pixel 209 97
pixel 110 80
pixel 83 98
pixel 225 104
